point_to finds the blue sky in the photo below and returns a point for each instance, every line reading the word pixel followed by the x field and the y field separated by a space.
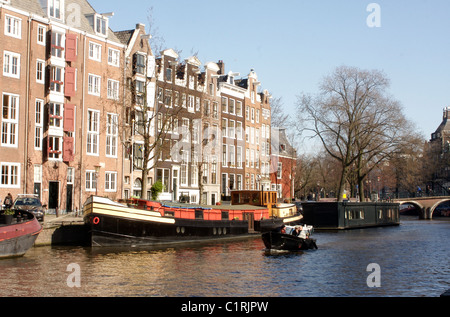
pixel 292 45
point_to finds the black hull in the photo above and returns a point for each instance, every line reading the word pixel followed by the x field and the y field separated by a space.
pixel 118 231
pixel 16 247
pixel 278 241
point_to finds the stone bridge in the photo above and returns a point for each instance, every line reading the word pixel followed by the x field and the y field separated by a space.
pixel 425 205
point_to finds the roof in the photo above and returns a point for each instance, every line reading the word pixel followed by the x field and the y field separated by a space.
pixel 37 7
pixel 280 144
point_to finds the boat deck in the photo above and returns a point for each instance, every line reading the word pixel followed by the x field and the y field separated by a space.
pixel 215 207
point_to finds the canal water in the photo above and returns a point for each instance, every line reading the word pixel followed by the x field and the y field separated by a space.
pixel 413 260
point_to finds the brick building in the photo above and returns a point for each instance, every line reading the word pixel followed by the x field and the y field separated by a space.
pixel 79 103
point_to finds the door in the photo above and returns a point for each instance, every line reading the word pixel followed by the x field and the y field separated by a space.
pixel 175 172
pixel 53 195
pixel 69 198
pixel 250 217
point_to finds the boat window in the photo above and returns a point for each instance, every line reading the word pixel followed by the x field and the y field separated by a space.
pixel 225 215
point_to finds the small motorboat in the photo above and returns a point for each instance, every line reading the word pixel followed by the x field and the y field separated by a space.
pixel 290 238
pixel 18 233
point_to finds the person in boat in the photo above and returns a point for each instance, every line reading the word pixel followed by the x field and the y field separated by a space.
pixel 296 232
pixel 283 229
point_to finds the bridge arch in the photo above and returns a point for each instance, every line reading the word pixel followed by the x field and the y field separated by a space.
pixel 426 206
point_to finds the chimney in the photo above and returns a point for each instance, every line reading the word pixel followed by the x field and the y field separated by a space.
pixel 447 113
pixel 221 65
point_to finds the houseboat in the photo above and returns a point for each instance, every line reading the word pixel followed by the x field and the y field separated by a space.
pixel 18 232
pixel 350 215
pixel 139 222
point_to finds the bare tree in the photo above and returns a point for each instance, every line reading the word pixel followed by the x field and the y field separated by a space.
pixel 355 119
pixel 278 118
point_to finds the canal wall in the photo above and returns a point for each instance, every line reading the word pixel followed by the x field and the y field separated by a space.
pixel 65 230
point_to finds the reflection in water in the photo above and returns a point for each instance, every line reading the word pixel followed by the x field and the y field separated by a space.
pixel 413 259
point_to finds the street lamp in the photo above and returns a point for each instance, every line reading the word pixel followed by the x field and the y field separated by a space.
pixel 97 171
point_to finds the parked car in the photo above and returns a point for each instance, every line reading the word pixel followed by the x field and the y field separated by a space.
pixel 30 203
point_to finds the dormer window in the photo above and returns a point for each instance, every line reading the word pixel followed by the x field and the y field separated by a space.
pixel 101 25
pixel 56 9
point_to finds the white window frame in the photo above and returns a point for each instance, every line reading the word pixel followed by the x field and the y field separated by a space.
pixel 95 51
pixel 91 181
pixel 8 179
pixel 10 125
pixel 56 4
pixel 40 71
pixel 94 84
pixel 41 37
pixel 11 69
pixel 56 156
pixel 113 89
pixel 113 57
pixel 93 132
pixel 112 134
pixel 13 26
pixel 38 124
pixel 110 181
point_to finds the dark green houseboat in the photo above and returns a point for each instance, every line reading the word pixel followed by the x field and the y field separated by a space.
pixel 349 215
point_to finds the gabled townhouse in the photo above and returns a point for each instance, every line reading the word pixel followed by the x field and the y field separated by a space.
pixel 138 112
pixel 283 164
pixel 63 74
pixel 232 126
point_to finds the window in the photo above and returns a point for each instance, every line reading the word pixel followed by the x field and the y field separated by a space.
pixel 10 175
pixel 40 71
pixel 253 115
pixel 232 157
pixel 224 104
pixel 247 158
pixel 231 106
pixel 184 168
pixel 94 84
pixel 13 26
pixel 56 79
pixel 55 115
pixel 139 61
pixel 113 57
pixel 163 176
pixel 38 124
pixel 231 129
pixel 257 115
pixel 169 74
pixel 224 155
pixel 57 45
pixel 252 158
pixel 239 108
pixel 239 182
pixel 214 172
pixel 91 181
pixel 168 98
pixel 54 147
pixel 11 64
pixel 215 113
pixel 191 101
pixel 92 132
pixel 239 130
pixel 113 89
pixel 239 156
pixel 95 51
pixel 111 181
pixel 10 120
pixel 56 9
pixel 101 25
pixel 111 134
pixel 41 34
pixel 247 113
pixel 280 170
